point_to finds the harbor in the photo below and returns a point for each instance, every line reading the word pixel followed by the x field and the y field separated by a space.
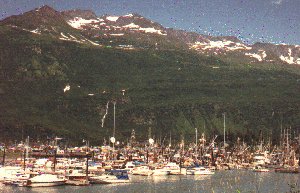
pixel 150 96
pixel 202 165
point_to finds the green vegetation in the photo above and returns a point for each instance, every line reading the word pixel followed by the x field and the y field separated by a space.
pixel 167 90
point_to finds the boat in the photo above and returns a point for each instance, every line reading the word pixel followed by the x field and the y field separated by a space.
pixel 142 170
pixel 260 169
pixel 199 171
pixel 291 170
pixel 18 178
pixel 80 182
pixel 129 166
pixel 44 180
pixel 77 177
pixel 175 169
pixel 111 177
pixel 160 172
pixel 261 159
pixel 9 172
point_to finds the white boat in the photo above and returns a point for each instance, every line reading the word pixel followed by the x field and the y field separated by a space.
pixel 260 169
pixel 129 167
pixel 9 172
pixel 261 159
pixel 111 177
pixel 200 171
pixel 16 179
pixel 44 180
pixel 160 172
pixel 77 177
pixel 142 170
pixel 175 169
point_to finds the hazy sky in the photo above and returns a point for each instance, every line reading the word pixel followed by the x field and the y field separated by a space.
pixel 275 21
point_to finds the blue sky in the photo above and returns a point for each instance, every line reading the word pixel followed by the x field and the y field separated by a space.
pixel 274 21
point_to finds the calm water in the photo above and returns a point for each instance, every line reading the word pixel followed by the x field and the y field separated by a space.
pixel 221 181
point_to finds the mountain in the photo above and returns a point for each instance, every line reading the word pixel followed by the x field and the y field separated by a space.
pixel 133 23
pixel 85 27
pixel 61 73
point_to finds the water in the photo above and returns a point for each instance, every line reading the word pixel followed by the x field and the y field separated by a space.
pixel 222 181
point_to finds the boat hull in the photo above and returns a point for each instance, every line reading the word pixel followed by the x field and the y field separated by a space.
pixel 109 181
pixel 78 182
pixel 44 184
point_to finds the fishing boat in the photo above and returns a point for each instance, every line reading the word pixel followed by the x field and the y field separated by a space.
pixel 111 177
pixel 261 159
pixel 291 170
pixel 9 172
pixel 160 172
pixel 175 169
pixel 129 166
pixel 260 169
pixel 19 178
pixel 199 171
pixel 142 170
pixel 77 177
pixel 44 180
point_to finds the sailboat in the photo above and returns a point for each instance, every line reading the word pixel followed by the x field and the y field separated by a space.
pixel 44 180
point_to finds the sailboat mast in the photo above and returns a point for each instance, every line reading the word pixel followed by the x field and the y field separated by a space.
pixel 114 124
pixel 170 144
pixel 196 142
pixel 224 128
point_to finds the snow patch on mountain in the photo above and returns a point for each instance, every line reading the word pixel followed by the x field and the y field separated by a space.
pixel 132 25
pixel 36 31
pixel 117 34
pixel 112 18
pixel 67 88
pixel 63 35
pixel 78 22
pixel 93 43
pixel 289 59
pixel 128 15
pixel 72 38
pixel 152 30
pixel 259 56
pixel 225 45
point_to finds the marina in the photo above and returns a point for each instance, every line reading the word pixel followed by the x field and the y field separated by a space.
pixel 206 166
pixel 149 96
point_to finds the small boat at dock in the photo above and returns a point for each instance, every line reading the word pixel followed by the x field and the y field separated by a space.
pixel 111 177
pixel 199 171
pixel 291 170
pixel 44 180
pixel 260 169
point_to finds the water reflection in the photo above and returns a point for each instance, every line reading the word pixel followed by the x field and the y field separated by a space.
pixel 42 189
pixel 158 179
pixel 221 181
pixel 202 177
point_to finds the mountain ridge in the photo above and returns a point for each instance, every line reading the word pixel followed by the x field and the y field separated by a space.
pixel 60 80
pixel 93 27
